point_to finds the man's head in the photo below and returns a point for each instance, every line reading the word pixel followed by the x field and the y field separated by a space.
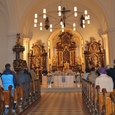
pixel 92 69
pixel 7 66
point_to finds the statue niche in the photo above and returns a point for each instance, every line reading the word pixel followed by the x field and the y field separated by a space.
pixel 66 56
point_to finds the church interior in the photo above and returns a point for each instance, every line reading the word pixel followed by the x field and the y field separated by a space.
pixel 57 38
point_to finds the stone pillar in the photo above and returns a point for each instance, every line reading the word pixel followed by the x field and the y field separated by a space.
pixel 25 53
pixel 105 45
pixel 111 41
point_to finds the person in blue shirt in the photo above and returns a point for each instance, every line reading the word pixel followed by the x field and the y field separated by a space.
pixel 8 78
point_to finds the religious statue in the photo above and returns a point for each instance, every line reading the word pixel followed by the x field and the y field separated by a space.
pixel 54 60
pixel 100 46
pixel 78 60
pixel 95 60
pixel 66 67
pixel 18 39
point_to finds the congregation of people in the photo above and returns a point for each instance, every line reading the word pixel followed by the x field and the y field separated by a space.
pixel 104 77
pixel 10 77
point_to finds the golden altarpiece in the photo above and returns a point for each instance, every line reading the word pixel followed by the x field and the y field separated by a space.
pixel 66 52
pixel 94 54
pixel 37 58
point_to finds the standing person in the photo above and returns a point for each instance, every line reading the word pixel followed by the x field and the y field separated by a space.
pixel 15 74
pixel 92 75
pixel 104 81
pixel 8 78
pixel 27 72
pixel 24 78
pixel 111 72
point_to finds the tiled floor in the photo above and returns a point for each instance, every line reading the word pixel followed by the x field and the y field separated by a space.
pixel 59 103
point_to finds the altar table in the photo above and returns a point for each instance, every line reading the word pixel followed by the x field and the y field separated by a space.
pixel 64 81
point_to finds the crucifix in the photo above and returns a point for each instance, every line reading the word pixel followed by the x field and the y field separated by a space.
pixel 63 19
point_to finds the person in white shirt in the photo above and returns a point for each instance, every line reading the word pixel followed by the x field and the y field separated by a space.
pixel 104 81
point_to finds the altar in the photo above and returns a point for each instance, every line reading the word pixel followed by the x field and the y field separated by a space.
pixel 63 80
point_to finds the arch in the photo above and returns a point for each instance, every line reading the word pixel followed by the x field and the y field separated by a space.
pixel 54 39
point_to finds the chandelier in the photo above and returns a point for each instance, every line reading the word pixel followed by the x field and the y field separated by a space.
pixel 62 20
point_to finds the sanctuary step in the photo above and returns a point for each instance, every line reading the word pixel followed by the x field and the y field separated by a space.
pixel 51 88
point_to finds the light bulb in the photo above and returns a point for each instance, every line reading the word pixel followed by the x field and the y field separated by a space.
pixel 74 24
pixel 35 21
pixel 75 9
pixel 36 15
pixel 40 23
pixel 35 25
pixel 75 14
pixel 44 11
pixel 59 8
pixel 85 12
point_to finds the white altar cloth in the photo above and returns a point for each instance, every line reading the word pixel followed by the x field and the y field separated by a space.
pixel 63 80
pixel 44 80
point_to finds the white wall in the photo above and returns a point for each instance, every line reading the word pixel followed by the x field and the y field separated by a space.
pixel 3 41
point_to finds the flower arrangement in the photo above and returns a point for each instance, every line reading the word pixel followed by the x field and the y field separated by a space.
pixel 77 74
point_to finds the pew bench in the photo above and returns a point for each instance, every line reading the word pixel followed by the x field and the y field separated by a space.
pixel 8 99
pixel 19 97
pixel 98 103
pixel 2 104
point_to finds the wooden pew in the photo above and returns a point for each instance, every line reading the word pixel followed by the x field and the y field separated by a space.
pixel 93 99
pixel 17 99
pixel 107 106
pixel 2 104
pixel 34 90
pixel 87 93
pixel 38 88
pixel 84 90
pixel 100 101
pixel 104 106
pixel 112 96
pixel 30 92
pixel 22 95
pixel 8 99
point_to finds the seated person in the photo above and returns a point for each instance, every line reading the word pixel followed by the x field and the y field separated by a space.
pixel 24 78
pixel 92 75
pixel 8 78
pixel 104 81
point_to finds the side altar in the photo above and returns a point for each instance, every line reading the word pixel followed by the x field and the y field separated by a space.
pixel 94 54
